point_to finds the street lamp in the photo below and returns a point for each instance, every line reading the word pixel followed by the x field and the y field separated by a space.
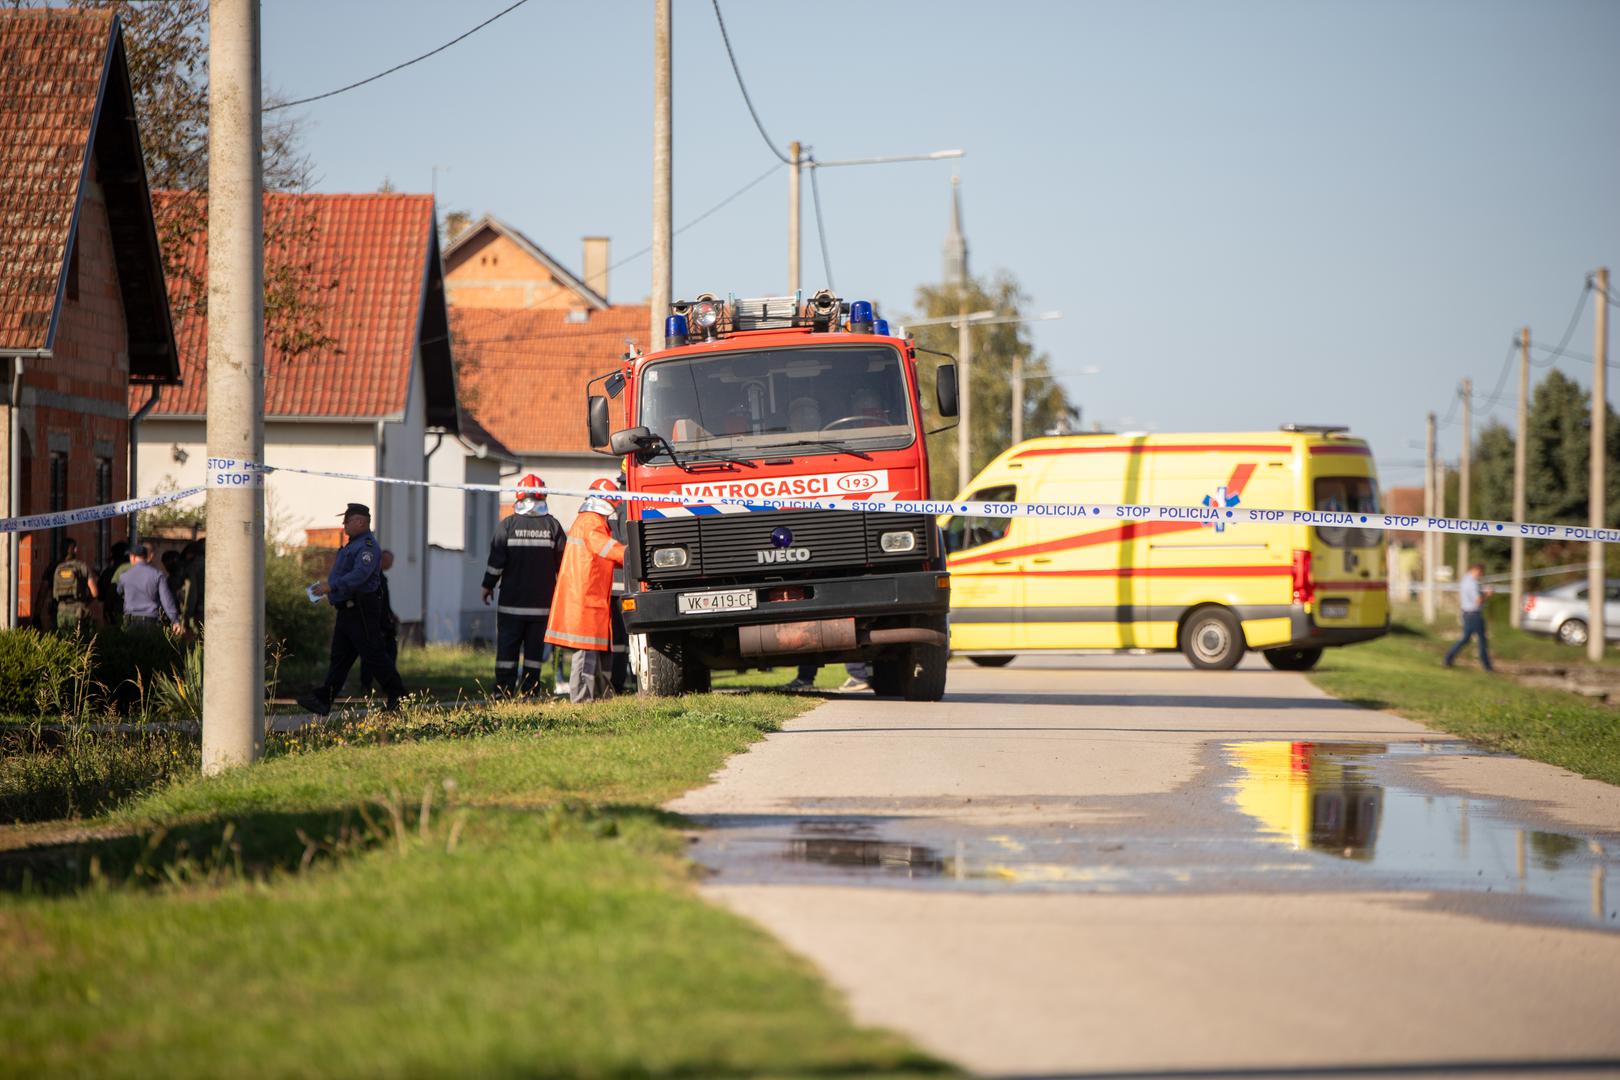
pixel 964 348
pixel 797 160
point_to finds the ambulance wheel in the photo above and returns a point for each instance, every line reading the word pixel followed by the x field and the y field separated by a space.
pixel 1293 659
pixel 991 661
pixel 916 673
pixel 671 669
pixel 1212 639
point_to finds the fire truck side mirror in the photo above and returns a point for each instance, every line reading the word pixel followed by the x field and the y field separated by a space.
pixel 596 420
pixel 629 441
pixel 945 389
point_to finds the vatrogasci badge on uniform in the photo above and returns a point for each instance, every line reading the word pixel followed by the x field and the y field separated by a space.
pixel 231 473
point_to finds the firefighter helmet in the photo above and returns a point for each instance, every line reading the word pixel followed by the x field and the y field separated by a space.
pixel 595 504
pixel 531 495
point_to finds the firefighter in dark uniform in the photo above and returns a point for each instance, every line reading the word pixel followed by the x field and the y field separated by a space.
pixel 72 588
pixel 354 588
pixel 524 556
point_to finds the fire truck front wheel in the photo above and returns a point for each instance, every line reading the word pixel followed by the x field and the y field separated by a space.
pixel 672 668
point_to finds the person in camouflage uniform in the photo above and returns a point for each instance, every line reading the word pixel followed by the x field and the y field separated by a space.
pixel 72 588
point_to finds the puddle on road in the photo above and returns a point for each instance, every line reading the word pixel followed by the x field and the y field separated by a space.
pixel 1289 816
pixel 1343 801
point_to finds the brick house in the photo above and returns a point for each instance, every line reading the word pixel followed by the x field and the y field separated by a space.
pixel 490 264
pixel 84 314
pixel 362 397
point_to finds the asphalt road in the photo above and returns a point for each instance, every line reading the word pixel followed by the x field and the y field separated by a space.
pixel 1106 866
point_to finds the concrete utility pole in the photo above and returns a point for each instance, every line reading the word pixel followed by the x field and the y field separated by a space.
pixel 1428 511
pixel 663 239
pixel 1467 392
pixel 1018 399
pixel 1521 444
pixel 233 660
pixel 1595 576
pixel 964 397
pixel 795 205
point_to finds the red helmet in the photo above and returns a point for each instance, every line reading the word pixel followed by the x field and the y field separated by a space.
pixel 531 486
pixel 604 484
pixel 595 504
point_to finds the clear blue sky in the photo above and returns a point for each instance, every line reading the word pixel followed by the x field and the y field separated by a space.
pixel 1249 213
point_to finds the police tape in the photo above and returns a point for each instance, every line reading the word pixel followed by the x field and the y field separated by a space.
pixel 229 473
pixel 86 514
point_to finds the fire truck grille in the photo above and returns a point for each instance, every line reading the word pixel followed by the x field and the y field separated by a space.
pixel 740 546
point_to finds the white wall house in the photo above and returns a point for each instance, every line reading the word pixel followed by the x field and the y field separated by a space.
pixel 460 526
pixel 362 401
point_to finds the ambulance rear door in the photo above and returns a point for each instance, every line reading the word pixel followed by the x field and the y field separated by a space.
pixel 1347 563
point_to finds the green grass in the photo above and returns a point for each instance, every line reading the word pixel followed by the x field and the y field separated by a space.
pixel 1402 673
pixel 480 891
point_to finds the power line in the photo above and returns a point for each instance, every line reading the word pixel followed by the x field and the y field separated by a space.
pixel 398 67
pixel 725 37
pixel 1571 353
pixel 1501 380
pixel 821 227
pixel 1574 320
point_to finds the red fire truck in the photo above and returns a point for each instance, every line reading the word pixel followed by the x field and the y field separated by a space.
pixel 780 398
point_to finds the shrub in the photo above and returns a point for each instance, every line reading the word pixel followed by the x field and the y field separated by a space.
pixel 37 671
pixel 302 631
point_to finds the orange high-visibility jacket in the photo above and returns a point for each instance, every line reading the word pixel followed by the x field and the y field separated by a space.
pixel 579 608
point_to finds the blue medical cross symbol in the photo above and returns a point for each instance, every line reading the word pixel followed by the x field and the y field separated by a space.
pixel 1224 501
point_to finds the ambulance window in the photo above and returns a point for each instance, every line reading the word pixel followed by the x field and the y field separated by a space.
pixel 1347 495
pixel 964 533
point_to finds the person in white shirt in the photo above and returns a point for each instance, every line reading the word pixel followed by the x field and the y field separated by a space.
pixel 1474 595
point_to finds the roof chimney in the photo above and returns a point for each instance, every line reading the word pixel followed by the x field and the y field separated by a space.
pixel 595 262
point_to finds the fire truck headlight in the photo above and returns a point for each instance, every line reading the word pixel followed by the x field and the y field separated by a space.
pixel 706 314
pixel 670 558
pixel 895 542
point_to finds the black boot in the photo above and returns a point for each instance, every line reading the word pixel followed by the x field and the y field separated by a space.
pixel 317 701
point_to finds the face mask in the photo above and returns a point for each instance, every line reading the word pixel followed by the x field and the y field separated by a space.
pixel 530 506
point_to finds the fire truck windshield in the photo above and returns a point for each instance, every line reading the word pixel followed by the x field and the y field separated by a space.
pixel 816 399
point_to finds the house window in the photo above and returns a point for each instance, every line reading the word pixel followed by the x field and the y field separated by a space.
pixel 59 485
pixel 104 495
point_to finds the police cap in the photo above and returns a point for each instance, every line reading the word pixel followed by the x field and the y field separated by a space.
pixel 356 508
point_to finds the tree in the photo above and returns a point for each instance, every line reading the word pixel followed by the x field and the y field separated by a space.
pixel 1557 472
pixel 1046 405
pixel 167 48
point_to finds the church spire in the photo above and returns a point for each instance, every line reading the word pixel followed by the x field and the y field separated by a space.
pixel 955 263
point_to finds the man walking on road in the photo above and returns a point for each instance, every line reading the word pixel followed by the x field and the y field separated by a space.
pixel 353 588
pixel 583 621
pixel 524 556
pixel 1473 595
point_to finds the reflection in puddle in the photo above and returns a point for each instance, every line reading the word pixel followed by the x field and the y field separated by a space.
pixel 909 860
pixel 1332 798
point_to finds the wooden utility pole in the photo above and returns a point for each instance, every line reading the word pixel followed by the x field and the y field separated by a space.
pixel 663 238
pixel 964 396
pixel 1463 469
pixel 1521 451
pixel 794 204
pixel 1428 511
pixel 1595 576
pixel 233 659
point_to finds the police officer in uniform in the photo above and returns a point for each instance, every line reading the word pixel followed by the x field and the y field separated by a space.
pixel 353 587
pixel 524 556
pixel 72 588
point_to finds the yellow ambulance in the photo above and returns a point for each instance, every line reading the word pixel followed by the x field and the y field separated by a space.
pixel 1027 585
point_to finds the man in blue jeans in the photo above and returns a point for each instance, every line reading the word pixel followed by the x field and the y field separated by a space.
pixel 1473 617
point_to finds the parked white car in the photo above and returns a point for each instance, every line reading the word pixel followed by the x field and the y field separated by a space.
pixel 1562 612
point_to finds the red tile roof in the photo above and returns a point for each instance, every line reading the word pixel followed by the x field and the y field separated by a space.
pixel 367 263
pixel 51 66
pixel 527 369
